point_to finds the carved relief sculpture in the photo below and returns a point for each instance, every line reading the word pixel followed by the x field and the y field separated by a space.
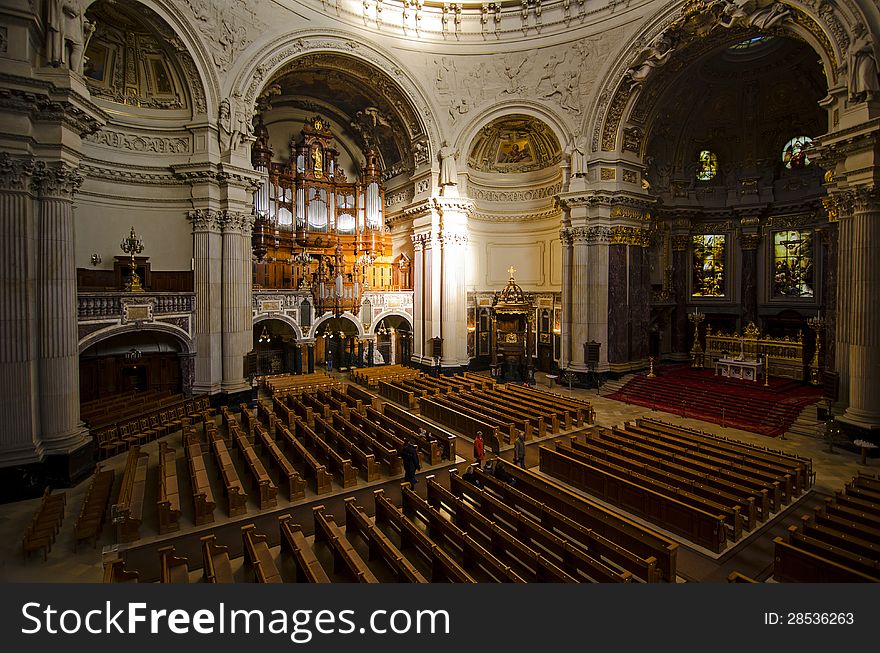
pixel 652 57
pixel 67 33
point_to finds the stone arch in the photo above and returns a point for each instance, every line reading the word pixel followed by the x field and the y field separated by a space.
pixel 183 36
pixel 109 332
pixel 267 59
pixel 557 124
pixel 262 317
pixel 402 314
pixel 329 316
pixel 618 121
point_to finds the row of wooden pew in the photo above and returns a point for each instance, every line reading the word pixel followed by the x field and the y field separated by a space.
pixel 90 521
pixel 707 489
pixel 45 524
pixel 407 391
pixel 839 543
pixel 281 384
pixel 371 376
pixel 98 412
pixel 128 511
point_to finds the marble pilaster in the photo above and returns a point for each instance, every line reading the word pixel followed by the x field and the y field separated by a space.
pixel 237 317
pixel 207 273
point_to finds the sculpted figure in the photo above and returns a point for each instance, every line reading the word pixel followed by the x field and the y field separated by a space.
pixel 863 79
pixel 652 57
pixel 448 171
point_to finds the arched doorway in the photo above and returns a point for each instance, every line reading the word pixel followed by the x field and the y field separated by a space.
pixel 133 362
pixel 393 340
pixel 274 348
pixel 337 345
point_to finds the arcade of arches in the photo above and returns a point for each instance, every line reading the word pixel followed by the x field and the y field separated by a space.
pixel 193 193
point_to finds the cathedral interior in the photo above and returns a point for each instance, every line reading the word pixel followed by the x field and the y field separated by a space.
pixel 253 250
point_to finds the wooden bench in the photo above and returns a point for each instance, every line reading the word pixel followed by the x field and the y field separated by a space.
pixel 544 500
pixel 216 567
pixel 345 558
pixel 340 464
pixel 296 486
pixel 267 491
pixel 704 528
pixel 172 568
pixel 446 441
pixel 461 422
pixel 506 429
pixel 235 494
pixel 168 501
pixel 258 556
pixel 313 469
pixel 305 563
pixel 129 508
pixel 357 521
pixel 115 572
pixel 91 518
pixel 443 567
pixel 366 398
pixel 385 455
pixel 203 496
pixel 45 524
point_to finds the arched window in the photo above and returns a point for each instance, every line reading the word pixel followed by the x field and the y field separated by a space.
pixel 707 166
pixel 708 265
pixel 793 153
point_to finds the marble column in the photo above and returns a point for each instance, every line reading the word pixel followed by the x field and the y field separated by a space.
pixel 863 327
pixel 297 358
pixel 453 320
pixel 311 358
pixel 639 300
pixel 681 330
pixel 187 372
pixel 420 333
pixel 370 354
pixel 360 352
pixel 619 324
pixel 237 316
pixel 829 292
pixel 61 430
pixel 844 300
pixel 565 355
pixel 207 283
pixel 749 244
pixel 19 432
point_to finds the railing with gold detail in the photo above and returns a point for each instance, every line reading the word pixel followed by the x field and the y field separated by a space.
pixel 785 356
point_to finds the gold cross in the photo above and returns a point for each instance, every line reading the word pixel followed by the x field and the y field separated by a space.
pixel 511 270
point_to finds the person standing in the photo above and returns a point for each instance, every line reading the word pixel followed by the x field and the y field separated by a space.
pixel 411 462
pixel 519 451
pixel 479 449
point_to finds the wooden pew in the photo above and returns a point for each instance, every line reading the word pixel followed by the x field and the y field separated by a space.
pixel 497 538
pixel 346 472
pixel 90 521
pixel 542 498
pixel 431 450
pixel 461 422
pixel 168 503
pixel 344 555
pixel 792 564
pixel 390 458
pixel 235 493
pixel 203 496
pixel 737 577
pixel 356 520
pixel 507 429
pixel 172 568
pixel 216 567
pixel 115 572
pixel 130 504
pixel 296 486
pixel 443 566
pixel 307 566
pixel 446 441
pixel 313 469
pixel 267 491
pixel 258 556
pixel 440 528
pixel 696 524
pixel 530 424
pixel 366 398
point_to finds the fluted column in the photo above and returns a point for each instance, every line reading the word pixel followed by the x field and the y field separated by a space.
pixel 863 325
pixel 420 336
pixel 830 283
pixel 565 356
pixel 237 317
pixel 749 243
pixel 844 299
pixel 207 272
pixel 19 428
pixel 61 430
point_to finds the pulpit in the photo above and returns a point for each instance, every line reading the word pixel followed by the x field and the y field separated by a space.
pixel 512 340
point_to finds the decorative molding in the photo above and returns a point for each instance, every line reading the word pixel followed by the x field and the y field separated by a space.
pixel 4 39
pixel 749 242
pixel 181 144
pixel 58 180
pixel 791 221
pixel 631 176
pixel 15 172
pixel 549 214
pixel 206 220
pixel 637 236
pixel 226 27
pixel 237 222
pixel 448 239
pixel 515 195
pixel 680 242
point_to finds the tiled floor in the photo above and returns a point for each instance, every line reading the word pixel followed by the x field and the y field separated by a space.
pixel 750 556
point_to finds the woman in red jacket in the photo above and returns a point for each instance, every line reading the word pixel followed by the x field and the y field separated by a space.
pixel 479 449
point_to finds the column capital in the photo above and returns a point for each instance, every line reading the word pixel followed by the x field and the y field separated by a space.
pixel 448 238
pixel 57 180
pixel 205 219
pixel 749 242
pixel 237 222
pixel 589 235
pixel 16 172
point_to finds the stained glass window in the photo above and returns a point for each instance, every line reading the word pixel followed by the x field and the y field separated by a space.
pixel 793 153
pixel 708 165
pixel 750 43
pixel 708 274
pixel 793 264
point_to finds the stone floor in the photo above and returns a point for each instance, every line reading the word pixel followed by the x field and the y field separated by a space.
pixel 752 556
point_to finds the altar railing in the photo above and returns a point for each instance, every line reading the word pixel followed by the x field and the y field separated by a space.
pixel 785 356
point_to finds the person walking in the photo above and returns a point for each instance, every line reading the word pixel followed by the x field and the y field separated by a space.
pixel 519 451
pixel 411 462
pixel 479 449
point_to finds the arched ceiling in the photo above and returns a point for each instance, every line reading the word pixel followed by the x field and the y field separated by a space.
pixel 131 61
pixel 372 108
pixel 514 143
pixel 743 103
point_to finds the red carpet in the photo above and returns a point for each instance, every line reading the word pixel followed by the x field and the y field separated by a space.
pixel 700 394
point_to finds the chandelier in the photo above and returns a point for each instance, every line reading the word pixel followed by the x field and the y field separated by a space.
pixel 265 336
pixel 133 245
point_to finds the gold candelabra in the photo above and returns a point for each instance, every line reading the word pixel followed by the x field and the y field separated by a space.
pixel 816 324
pixel 133 245
pixel 651 374
pixel 696 351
